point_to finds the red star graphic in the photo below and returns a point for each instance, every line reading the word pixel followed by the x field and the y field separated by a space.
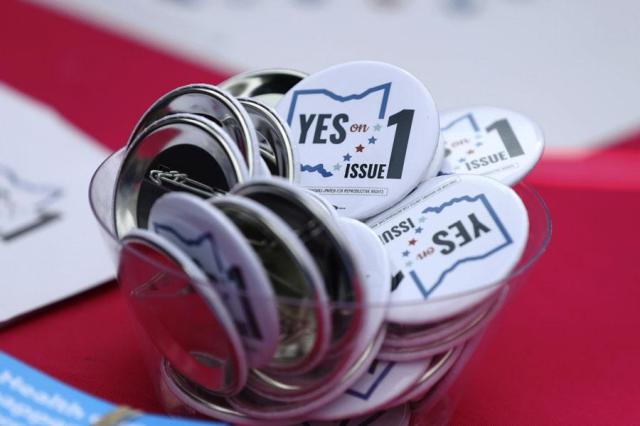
pixel 359 148
pixel 470 152
pixel 413 242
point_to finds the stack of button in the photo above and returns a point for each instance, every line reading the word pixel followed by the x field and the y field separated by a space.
pixel 317 248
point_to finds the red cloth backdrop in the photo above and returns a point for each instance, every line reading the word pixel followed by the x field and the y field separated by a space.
pixel 564 350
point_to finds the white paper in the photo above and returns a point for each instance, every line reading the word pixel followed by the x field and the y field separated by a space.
pixel 572 66
pixel 50 245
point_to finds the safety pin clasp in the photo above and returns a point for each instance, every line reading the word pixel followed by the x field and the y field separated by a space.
pixel 182 181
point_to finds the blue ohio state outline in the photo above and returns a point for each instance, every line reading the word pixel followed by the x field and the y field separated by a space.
pixel 372 388
pixel 386 87
pixel 207 237
pixel 437 210
pixel 469 116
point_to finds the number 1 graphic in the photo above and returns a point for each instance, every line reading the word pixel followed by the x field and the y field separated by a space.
pixel 402 120
pixel 508 137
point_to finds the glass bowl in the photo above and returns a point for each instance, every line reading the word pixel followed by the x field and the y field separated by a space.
pixel 394 374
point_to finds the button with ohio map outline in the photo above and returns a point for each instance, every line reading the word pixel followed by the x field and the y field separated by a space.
pixel 364 134
pixel 451 242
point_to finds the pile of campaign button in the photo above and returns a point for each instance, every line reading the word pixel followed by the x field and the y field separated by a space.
pixel 314 249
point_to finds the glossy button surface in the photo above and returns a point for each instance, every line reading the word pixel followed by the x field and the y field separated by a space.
pixel 182 315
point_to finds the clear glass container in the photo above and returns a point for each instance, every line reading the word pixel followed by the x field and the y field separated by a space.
pixel 174 319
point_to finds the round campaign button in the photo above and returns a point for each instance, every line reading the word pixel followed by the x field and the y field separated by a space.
pixel 364 134
pixel 215 104
pixel 451 242
pixel 325 241
pixel 302 306
pixel 373 261
pixel 343 279
pixel 208 237
pixel 180 152
pixel 181 313
pixel 494 142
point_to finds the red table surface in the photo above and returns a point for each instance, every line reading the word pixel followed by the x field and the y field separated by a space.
pixel 563 351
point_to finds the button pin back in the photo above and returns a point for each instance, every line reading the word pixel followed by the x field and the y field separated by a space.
pixel 182 315
pixel 178 152
pixel 210 102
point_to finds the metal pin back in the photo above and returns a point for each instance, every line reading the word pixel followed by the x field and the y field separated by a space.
pixel 297 283
pixel 234 270
pixel 184 318
pixel 213 103
pixel 342 278
pixel 180 152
